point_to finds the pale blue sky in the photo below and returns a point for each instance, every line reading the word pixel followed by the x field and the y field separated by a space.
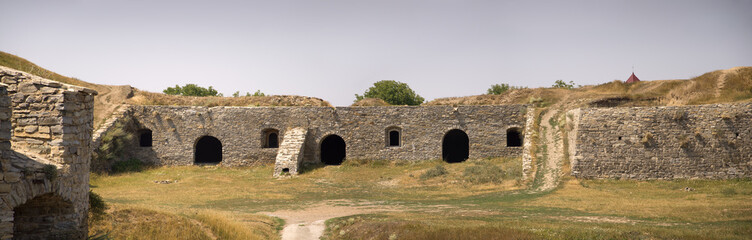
pixel 335 49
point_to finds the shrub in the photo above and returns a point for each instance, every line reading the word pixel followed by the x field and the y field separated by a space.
pixel 192 90
pixel 728 191
pixel 647 139
pixel 677 115
pixel 562 84
pixel 130 165
pixel 684 141
pixel 433 172
pixel 258 93
pixel 483 173
pixel 97 206
pixel 50 172
pixel 498 89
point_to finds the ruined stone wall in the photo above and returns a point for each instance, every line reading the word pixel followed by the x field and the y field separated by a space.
pixel 240 129
pixel 45 165
pixel 706 141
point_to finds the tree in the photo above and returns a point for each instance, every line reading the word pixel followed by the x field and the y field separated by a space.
pixel 562 84
pixel 191 90
pixel 392 92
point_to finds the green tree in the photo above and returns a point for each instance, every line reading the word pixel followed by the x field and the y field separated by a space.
pixel 497 89
pixel 191 90
pixel 562 84
pixel 392 92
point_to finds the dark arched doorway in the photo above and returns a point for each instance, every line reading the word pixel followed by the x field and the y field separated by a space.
pixel 455 147
pixel 47 216
pixel 514 137
pixel 333 150
pixel 208 150
pixel 144 138
pixel 270 138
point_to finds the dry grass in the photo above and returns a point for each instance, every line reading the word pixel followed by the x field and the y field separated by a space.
pixel 111 97
pixel 369 227
pixel 137 223
pixel 578 209
pixel 140 222
pixel 149 98
pixel 370 102
pixel 18 63
pixel 704 89
pixel 665 200
pixel 226 226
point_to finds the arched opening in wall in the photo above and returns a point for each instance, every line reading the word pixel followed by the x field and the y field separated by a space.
pixel 270 138
pixel 144 138
pixel 393 137
pixel 208 150
pixel 47 216
pixel 455 147
pixel 333 150
pixel 514 137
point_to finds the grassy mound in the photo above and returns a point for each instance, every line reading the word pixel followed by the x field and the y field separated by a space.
pixel 722 86
pixel 370 102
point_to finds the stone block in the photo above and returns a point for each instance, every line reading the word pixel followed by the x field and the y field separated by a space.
pixel 12 177
pixel 27 88
pixel 27 121
pixel 30 129
pixel 44 129
pixel 47 121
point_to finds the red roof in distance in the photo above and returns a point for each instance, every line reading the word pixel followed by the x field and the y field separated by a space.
pixel 632 79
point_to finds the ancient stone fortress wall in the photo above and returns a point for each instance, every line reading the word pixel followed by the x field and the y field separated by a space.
pixel 247 135
pixel 706 141
pixel 45 136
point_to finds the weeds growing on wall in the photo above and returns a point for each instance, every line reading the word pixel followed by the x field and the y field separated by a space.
pixel 50 172
pixel 112 146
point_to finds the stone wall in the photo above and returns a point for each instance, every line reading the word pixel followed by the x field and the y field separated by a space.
pixel 240 130
pixel 707 141
pixel 45 137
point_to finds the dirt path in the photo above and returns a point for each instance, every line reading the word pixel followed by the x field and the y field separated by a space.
pixel 308 223
pixel 554 150
pixel 109 99
pixel 721 83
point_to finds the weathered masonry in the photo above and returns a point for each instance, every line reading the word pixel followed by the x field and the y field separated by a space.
pixel 289 136
pixel 45 136
pixel 706 141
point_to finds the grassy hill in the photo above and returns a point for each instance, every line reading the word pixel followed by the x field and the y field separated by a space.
pixel 111 97
pixel 722 86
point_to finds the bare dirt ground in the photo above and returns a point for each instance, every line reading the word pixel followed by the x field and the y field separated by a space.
pixel 108 100
pixel 554 150
pixel 308 223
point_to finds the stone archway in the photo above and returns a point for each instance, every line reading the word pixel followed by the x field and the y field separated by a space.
pixel 208 150
pixel 455 146
pixel 144 138
pixel 333 150
pixel 47 216
pixel 514 137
